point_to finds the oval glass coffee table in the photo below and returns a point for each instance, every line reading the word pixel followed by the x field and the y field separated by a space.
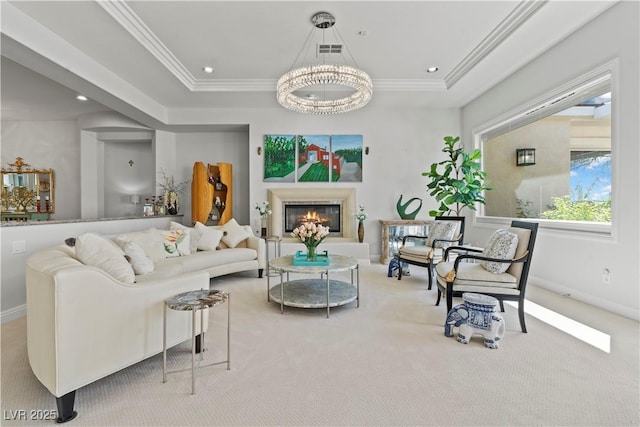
pixel 314 292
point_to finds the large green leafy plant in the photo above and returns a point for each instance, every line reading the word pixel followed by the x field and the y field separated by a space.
pixel 457 182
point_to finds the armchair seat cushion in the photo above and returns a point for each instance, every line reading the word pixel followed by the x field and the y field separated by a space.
pixel 419 253
pixel 472 274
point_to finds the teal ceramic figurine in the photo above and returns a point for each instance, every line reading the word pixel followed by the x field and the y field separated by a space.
pixel 402 208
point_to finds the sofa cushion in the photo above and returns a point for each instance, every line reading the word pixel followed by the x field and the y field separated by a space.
pixel 98 251
pixel 140 261
pixel 167 268
pixel 194 235
pixel 176 243
pixel 501 245
pixel 205 260
pixel 235 233
pixel 150 240
pixel 209 237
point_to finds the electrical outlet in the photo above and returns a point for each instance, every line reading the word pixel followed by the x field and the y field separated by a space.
pixel 606 276
pixel 19 246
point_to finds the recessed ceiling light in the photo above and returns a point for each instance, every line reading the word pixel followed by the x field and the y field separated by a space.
pixel 82 98
pixel 208 70
pixel 432 69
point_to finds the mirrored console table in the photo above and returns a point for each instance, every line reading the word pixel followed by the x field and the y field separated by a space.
pixel 393 231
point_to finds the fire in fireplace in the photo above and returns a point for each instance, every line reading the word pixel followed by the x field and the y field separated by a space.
pixel 327 214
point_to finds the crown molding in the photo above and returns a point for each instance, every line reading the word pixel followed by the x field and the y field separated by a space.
pixel 518 16
pixel 409 85
pixel 131 22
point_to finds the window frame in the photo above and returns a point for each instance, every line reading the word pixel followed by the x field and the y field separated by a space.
pixel 608 71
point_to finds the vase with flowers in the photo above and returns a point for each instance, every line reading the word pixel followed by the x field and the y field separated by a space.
pixel 311 234
pixel 264 209
pixel 361 216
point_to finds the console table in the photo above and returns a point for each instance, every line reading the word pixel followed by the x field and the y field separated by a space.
pixel 394 230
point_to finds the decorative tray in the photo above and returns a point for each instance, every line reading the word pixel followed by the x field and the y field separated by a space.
pixel 300 258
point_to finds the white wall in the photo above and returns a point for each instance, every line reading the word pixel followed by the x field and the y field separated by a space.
pixel 48 145
pixel 570 262
pixel 122 180
pixel 403 144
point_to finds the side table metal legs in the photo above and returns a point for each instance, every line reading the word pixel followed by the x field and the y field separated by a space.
pixel 195 308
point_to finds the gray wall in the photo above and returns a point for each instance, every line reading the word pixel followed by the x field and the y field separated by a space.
pixel 48 145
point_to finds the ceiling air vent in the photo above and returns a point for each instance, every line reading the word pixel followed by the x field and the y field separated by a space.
pixel 327 49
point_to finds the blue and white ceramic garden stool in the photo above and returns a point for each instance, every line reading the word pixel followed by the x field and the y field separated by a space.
pixel 477 315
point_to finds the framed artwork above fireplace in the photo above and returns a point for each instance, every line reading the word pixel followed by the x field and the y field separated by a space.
pixel 312 158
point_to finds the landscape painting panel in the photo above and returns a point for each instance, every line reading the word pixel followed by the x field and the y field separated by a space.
pixel 313 158
pixel 346 156
pixel 279 158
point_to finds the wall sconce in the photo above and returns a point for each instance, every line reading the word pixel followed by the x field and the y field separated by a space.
pixel 366 150
pixel 135 199
pixel 259 150
pixel 525 156
pixel 131 163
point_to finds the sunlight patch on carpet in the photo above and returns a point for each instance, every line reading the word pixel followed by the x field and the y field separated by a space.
pixel 591 336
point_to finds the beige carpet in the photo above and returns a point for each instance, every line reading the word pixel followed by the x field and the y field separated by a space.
pixel 385 363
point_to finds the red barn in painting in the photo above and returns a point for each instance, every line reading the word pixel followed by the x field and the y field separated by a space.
pixel 314 154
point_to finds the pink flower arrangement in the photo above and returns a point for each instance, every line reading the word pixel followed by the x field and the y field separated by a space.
pixel 310 233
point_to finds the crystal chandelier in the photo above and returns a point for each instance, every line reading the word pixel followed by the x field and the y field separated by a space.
pixel 329 79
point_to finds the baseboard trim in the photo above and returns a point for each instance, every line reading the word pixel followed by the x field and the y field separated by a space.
pixel 618 309
pixel 13 313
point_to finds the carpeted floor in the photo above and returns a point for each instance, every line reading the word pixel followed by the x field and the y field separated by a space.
pixel 384 363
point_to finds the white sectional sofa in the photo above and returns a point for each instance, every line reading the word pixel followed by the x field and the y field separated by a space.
pixel 88 318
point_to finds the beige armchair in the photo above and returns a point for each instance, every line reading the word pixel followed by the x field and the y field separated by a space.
pixel 425 251
pixel 500 270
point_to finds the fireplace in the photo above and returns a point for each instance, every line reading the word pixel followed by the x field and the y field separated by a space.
pixel 335 207
pixel 327 214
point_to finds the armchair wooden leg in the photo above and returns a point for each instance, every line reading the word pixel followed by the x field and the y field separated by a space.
pixel 439 295
pixel 449 295
pixel 521 316
pixel 501 306
pixel 430 270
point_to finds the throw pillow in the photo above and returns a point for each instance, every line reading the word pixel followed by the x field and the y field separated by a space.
pixel 140 261
pixel 98 251
pixel 176 243
pixel 194 235
pixel 209 237
pixel 441 230
pixel 235 233
pixel 501 245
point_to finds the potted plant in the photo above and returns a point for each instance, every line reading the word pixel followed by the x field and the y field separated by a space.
pixel 460 183
pixel 172 190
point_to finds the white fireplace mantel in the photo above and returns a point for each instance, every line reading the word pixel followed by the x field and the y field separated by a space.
pixel 345 196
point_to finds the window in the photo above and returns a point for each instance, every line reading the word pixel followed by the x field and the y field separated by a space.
pixel 570 180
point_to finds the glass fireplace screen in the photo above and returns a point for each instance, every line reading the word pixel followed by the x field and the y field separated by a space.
pixel 326 214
